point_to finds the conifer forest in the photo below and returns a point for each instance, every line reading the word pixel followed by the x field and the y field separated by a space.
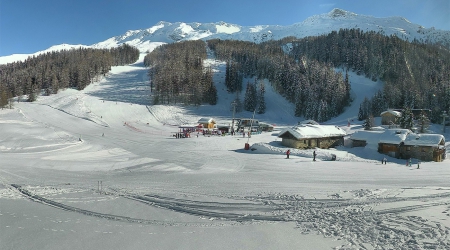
pixel 311 73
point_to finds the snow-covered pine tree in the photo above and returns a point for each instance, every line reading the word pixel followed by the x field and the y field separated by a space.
pixel 406 120
pixel 378 103
pixel 250 97
pixel 3 97
pixel 423 122
pixel 262 100
pixel 364 109
pixel 369 122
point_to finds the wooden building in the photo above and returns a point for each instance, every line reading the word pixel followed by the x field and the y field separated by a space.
pixel 312 136
pixel 390 117
pixel 390 141
pixel 265 127
pixel 245 124
pixel 207 122
pixel 425 147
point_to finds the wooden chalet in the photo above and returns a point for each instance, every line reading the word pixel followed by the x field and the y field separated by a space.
pixel 403 144
pixel 425 147
pixel 265 127
pixel 390 117
pixel 207 122
pixel 390 140
pixel 312 136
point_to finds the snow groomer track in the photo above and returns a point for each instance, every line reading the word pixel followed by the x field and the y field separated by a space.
pixel 197 208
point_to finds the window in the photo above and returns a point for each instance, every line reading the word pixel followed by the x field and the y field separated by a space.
pixel 408 148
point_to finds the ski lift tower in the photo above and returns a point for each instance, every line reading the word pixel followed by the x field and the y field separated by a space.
pixel 444 115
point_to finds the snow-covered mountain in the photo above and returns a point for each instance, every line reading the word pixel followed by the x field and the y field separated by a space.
pixel 165 32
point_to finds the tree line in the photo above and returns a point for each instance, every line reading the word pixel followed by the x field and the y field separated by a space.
pixel 49 72
pixel 416 75
pixel 177 74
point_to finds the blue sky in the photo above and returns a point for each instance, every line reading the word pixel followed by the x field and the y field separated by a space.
pixel 28 26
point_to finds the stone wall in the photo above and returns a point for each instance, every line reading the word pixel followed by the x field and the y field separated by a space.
pixel 312 143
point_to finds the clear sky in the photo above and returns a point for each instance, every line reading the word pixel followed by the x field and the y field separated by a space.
pixel 28 26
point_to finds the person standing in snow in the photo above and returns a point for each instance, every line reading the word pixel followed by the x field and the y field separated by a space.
pixel 384 161
pixel 288 152
pixel 410 162
pixel 314 155
pixel 418 164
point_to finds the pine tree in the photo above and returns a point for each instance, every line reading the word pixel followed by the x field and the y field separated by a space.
pixel 262 101
pixel 406 120
pixel 364 109
pixel 31 91
pixel 369 122
pixel 423 122
pixel 361 113
pixel 238 103
pixel 211 95
pixel 3 97
pixel 250 97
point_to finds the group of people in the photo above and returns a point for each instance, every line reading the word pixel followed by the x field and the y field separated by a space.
pixel 288 152
pixel 408 162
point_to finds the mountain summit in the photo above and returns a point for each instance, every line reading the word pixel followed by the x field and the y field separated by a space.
pixel 165 32
pixel 336 13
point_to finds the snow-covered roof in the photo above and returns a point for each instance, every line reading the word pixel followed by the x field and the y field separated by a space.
pixel 431 140
pixel 206 120
pixel 392 112
pixel 396 136
pixel 313 131
pixel 312 122
pixel 392 136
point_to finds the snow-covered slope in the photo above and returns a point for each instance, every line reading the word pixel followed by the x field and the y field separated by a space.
pixel 165 32
pixel 22 57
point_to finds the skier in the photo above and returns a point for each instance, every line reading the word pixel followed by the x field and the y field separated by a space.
pixel 288 152
pixel 410 162
pixel 384 160
pixel 314 155
pixel 418 164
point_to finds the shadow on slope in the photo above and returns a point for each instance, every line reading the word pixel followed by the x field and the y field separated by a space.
pixel 128 86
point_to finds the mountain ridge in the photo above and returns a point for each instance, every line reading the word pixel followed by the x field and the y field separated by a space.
pixel 165 32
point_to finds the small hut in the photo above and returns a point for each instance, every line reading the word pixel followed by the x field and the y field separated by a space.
pixel 207 122
pixel 390 117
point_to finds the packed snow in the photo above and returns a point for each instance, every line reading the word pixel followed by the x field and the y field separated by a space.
pixel 101 169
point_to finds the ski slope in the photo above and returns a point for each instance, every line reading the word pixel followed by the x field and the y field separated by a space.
pixel 100 169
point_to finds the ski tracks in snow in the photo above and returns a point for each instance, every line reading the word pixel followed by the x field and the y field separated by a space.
pixel 366 219
pixel 365 226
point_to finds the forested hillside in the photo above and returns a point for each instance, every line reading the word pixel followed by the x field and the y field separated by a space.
pixel 52 71
pixel 178 76
pixel 416 75
pixel 316 89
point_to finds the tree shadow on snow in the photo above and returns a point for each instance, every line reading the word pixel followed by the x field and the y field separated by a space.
pixel 128 87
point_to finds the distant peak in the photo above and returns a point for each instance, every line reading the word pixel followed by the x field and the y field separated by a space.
pixel 336 12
